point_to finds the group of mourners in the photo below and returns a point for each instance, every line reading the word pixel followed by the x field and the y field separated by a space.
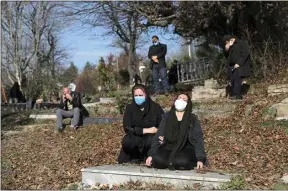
pixel 172 140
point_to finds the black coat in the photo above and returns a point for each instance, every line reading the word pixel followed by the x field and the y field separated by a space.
pixel 135 120
pixel 195 137
pixel 15 92
pixel 239 54
pixel 76 102
pixel 160 51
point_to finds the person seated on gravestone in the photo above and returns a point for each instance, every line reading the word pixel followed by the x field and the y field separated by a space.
pixel 15 94
pixel 141 120
pixel 70 107
pixel 178 143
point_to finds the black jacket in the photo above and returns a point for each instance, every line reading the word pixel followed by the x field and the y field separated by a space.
pixel 135 120
pixel 195 137
pixel 239 54
pixel 76 102
pixel 160 51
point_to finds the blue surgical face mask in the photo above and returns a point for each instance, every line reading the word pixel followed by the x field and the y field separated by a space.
pixel 139 100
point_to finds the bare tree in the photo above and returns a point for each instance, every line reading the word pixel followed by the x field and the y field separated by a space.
pixel 119 18
pixel 30 42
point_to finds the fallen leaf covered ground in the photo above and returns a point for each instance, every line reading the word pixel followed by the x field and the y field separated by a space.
pixel 43 159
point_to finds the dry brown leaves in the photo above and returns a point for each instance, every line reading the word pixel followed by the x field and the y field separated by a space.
pixel 43 159
pixel 239 144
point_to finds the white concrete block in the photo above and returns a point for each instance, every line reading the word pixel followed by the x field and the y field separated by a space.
pixel 118 174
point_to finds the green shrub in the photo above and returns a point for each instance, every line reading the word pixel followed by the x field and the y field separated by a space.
pixel 122 101
pixel 236 183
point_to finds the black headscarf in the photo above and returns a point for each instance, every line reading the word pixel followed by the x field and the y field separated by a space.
pixel 177 140
pixel 146 104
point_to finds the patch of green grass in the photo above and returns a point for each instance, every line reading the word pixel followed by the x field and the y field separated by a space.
pixel 138 185
pixel 6 164
pixel 275 124
pixel 236 183
pixel 72 186
pixel 279 186
pixel 281 123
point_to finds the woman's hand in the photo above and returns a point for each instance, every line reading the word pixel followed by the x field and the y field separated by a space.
pixel 199 165
pixel 151 130
pixel 149 161
pixel 161 138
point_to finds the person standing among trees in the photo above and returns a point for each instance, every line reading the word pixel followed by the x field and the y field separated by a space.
pixel 239 61
pixel 157 54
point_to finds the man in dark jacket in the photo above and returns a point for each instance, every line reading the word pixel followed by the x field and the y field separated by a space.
pixel 157 54
pixel 239 62
pixel 70 107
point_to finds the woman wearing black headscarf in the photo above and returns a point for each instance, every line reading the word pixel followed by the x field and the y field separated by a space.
pixel 179 142
pixel 141 120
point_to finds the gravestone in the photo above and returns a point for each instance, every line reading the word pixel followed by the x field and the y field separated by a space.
pixel 277 89
pixel 107 100
pixel 278 111
pixel 208 91
pixel 119 174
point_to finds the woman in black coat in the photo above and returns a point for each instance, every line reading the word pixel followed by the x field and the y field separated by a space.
pixel 239 61
pixel 178 143
pixel 141 120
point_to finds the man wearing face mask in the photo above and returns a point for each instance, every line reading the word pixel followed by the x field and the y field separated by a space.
pixel 239 62
pixel 141 120
pixel 157 54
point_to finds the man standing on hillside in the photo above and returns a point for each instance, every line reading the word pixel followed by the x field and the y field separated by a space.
pixel 157 54
pixel 239 62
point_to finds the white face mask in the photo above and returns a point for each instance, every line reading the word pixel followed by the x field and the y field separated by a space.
pixel 180 105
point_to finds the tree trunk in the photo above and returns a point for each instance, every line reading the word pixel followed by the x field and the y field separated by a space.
pixel 131 61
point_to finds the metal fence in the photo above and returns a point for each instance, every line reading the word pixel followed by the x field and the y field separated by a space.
pixel 192 71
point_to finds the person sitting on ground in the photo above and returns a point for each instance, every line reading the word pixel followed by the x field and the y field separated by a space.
pixel 178 143
pixel 141 120
pixel 70 107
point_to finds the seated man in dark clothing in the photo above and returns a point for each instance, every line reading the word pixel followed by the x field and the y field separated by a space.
pixel 140 122
pixel 70 107
pixel 178 143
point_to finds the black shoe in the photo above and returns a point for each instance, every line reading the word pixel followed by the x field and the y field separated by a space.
pixel 236 98
pixel 59 129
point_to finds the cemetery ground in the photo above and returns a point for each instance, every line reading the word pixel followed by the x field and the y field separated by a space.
pixel 36 157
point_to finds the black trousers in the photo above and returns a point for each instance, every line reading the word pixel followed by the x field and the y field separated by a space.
pixel 135 147
pixel 236 81
pixel 184 160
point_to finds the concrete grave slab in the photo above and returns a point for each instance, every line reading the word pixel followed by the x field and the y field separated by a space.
pixel 43 116
pixel 119 174
pixel 86 121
